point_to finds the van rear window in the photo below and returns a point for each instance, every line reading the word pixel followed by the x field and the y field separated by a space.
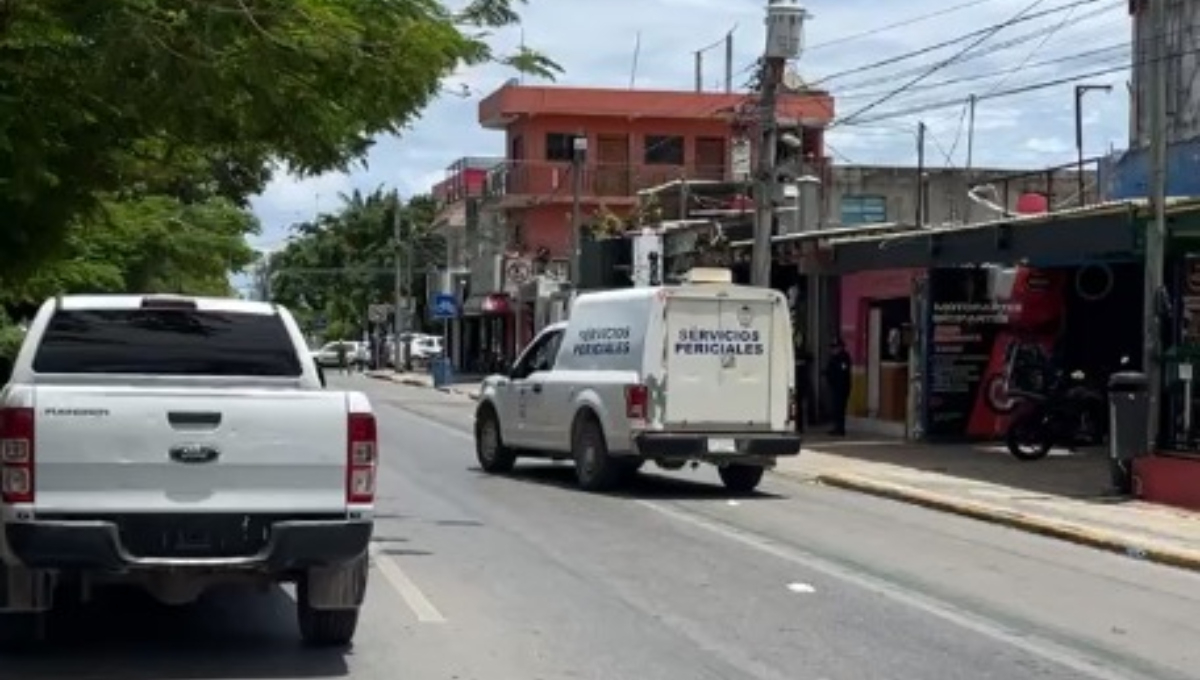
pixel 166 342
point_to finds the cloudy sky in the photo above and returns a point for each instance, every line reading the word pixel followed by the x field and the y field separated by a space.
pixel 594 41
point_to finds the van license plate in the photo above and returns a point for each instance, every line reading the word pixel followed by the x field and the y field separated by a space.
pixel 722 446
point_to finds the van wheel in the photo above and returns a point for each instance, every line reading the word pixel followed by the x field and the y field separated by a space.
pixel 741 479
pixel 595 470
pixel 493 456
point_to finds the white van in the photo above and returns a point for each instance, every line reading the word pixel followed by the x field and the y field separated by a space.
pixel 697 372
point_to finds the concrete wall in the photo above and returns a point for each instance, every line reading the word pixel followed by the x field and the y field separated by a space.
pixel 1183 72
pixel 947 191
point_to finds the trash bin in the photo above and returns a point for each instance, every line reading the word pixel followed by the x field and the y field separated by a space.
pixel 442 372
pixel 1128 425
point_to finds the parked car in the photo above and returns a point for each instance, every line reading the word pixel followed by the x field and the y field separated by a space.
pixel 180 443
pixel 357 353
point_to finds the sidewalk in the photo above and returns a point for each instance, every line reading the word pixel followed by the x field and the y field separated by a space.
pixel 468 387
pixel 1061 497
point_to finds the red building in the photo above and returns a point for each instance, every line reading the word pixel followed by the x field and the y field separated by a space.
pixel 636 139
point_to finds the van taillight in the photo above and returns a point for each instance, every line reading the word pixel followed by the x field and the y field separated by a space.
pixel 16 455
pixel 362 455
pixel 637 401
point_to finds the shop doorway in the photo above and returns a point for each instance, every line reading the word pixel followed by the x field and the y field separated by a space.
pixel 887 359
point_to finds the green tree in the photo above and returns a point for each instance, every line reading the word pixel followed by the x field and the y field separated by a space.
pixel 114 100
pixel 339 264
pixel 151 244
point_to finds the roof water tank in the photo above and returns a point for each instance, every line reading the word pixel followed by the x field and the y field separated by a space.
pixel 1032 204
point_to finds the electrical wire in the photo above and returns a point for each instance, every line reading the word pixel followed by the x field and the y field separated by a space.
pixel 1054 30
pixel 993 49
pixel 1117 53
pixel 986 32
pixel 899 24
pixel 979 40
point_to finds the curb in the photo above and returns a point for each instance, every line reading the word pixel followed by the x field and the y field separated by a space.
pixel 1180 558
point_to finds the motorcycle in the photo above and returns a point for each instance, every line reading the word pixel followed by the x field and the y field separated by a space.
pixel 1071 413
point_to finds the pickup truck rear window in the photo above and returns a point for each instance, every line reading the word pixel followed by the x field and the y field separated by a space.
pixel 166 342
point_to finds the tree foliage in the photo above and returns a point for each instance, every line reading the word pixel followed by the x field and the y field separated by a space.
pixel 339 264
pixel 150 108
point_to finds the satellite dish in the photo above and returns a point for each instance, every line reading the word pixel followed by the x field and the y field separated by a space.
pixel 792 80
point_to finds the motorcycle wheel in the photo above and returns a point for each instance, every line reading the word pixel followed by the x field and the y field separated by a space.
pixel 1027 438
pixel 995 392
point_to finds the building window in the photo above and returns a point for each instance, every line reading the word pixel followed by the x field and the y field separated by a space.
pixel 864 209
pixel 664 150
pixel 560 147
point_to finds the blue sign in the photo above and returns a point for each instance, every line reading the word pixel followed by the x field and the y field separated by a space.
pixel 445 306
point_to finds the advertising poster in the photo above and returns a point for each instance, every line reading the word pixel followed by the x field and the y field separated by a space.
pixel 992 331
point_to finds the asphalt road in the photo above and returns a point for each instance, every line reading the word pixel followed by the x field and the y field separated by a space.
pixel 500 578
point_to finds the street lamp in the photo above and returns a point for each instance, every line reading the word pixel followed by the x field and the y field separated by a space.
pixel 1081 90
pixel 579 147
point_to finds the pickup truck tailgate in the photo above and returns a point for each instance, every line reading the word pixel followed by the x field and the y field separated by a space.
pixel 126 449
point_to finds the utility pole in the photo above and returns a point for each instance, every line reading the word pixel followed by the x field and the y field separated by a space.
pixel 699 71
pixel 1156 235
pixel 398 355
pixel 921 216
pixel 785 31
pixel 729 62
pixel 578 159
pixel 1081 90
pixel 971 102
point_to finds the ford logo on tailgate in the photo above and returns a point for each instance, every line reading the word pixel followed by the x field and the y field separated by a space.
pixel 194 453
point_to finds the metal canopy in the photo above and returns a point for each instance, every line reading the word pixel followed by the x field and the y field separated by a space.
pixel 1103 232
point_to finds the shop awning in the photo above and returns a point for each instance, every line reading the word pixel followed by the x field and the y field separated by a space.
pixel 490 304
pixel 1105 232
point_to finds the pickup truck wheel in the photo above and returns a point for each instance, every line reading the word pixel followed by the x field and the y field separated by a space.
pixel 595 469
pixel 741 479
pixel 20 630
pixel 327 627
pixel 493 456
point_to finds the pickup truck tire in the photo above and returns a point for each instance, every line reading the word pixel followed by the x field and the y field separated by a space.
pixel 595 469
pixel 493 456
pixel 20 630
pixel 741 479
pixel 327 627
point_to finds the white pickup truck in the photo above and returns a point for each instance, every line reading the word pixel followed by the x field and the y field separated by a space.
pixel 177 443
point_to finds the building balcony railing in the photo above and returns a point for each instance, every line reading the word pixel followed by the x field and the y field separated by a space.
pixel 547 180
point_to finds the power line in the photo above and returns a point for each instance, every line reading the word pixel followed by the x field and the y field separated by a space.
pixel 986 32
pixel 945 62
pixel 1016 41
pixel 1118 52
pixel 899 24
pixel 1036 48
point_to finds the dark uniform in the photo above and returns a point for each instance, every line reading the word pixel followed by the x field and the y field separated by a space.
pixel 804 360
pixel 837 374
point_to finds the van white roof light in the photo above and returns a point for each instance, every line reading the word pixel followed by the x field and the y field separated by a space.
pixel 708 275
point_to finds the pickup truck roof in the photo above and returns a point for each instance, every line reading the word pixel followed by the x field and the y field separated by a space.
pixel 207 304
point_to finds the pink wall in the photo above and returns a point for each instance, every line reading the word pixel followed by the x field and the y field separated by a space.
pixel 857 291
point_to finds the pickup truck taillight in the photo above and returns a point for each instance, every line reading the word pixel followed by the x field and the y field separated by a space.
pixel 362 454
pixel 16 455
pixel 637 402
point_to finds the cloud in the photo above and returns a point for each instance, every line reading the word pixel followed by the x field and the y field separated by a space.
pixel 595 44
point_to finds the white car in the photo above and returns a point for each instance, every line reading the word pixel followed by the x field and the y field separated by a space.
pixel 426 347
pixel 328 355
pixel 177 443
pixel 699 372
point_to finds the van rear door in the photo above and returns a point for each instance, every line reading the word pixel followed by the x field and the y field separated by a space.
pixel 719 368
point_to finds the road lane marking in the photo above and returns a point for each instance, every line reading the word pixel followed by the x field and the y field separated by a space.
pixel 1045 649
pixel 403 585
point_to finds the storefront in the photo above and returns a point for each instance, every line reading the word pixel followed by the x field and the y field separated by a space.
pixel 488 336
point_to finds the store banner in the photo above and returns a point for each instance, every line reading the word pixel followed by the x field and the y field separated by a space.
pixel 992 330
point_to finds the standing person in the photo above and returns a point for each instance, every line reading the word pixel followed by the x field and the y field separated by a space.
pixel 837 374
pixel 803 360
pixel 342 359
